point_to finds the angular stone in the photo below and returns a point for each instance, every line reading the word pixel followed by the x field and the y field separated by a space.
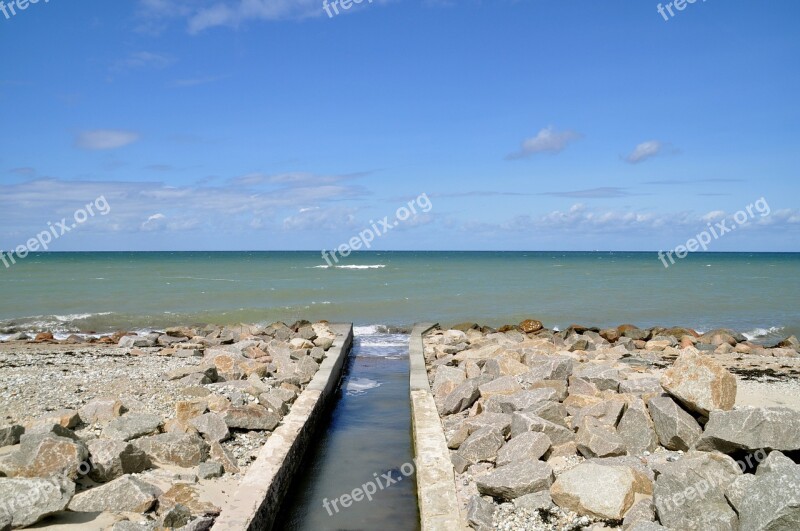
pixel 499 422
pixel 127 493
pixel 529 446
pixel 504 366
pixel 189 497
pixel 606 412
pixel 53 429
pixel 210 470
pixel 111 459
pixel 640 386
pixel 700 383
pixel 446 380
pixel 67 418
pixel 642 511
pixel 516 479
pixel 676 429
pixel 519 401
pixel 636 429
pixel 101 410
pixel 225 457
pixel 480 513
pixel 209 372
pixel 9 435
pixel 174 449
pixel 26 501
pixel 251 417
pixel 595 439
pixel 506 385
pixel 136 342
pixel 605 492
pixel 481 445
pixel 552 411
pixel 538 501
pixel 44 455
pixel 604 377
pixel 461 398
pixel 689 493
pixel 771 498
pixel 548 367
pixel 211 426
pixel 132 425
pixel 524 421
pixel 752 428
pixel 175 517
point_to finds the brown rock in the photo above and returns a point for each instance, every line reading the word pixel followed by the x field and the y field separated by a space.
pixel 700 383
pixel 189 497
pixel 529 326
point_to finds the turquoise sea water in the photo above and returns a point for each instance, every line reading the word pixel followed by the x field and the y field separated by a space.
pixel 755 293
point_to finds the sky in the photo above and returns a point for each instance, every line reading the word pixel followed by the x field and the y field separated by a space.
pixel 527 125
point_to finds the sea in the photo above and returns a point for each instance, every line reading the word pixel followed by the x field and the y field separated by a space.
pixel 757 294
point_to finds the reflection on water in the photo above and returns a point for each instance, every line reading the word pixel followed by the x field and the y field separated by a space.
pixel 369 435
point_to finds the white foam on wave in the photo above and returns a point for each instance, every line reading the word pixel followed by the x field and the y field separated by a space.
pixel 370 330
pixel 359 386
pixel 374 266
pixel 761 332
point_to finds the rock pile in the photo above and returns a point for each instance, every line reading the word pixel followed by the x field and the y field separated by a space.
pixel 585 428
pixel 107 456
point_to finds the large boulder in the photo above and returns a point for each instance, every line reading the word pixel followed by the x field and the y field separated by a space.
pixel 177 449
pixel 126 493
pixel 676 429
pixel 599 491
pixel 101 410
pixel 528 446
pixel 752 428
pixel 461 398
pixel 507 385
pixel 596 439
pixel 111 459
pixel 700 383
pixel 211 426
pixel 605 377
pixel 43 455
pixel 446 380
pixel 519 401
pixel 548 367
pixel 690 493
pixel 524 421
pixel 770 499
pixel 636 429
pixel 28 500
pixel 251 417
pixel 516 479
pixel 132 426
pixel 481 445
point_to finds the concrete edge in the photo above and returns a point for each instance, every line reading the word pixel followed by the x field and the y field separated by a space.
pixel 436 482
pixel 260 493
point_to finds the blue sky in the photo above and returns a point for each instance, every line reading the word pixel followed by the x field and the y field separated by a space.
pixel 531 125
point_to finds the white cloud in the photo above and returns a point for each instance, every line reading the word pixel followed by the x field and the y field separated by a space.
pixel 316 218
pixel 102 139
pixel 644 151
pixel 154 223
pixel 548 140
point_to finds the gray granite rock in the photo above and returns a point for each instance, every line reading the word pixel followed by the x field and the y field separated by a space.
pixel 25 501
pixel 752 428
pixel 676 429
pixel 126 493
pixel 516 479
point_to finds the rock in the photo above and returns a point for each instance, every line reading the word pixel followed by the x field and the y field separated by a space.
pixel 771 498
pixel 596 439
pixel 605 492
pixel 186 410
pixel 525 421
pixel 9 435
pixel 516 479
pixel 538 501
pixel 529 446
pixel 480 513
pixel 506 385
pixel 251 417
pixel 175 517
pixel 178 449
pixel 222 455
pixel 610 334
pixel 44 455
pixel 640 386
pixel 43 336
pixel 689 493
pixel 633 332
pixel 720 336
pixel 206 372
pixel 101 410
pixel 676 429
pixel 211 426
pixel 606 412
pixel 642 511
pixel 54 429
pixel 189 497
pixel 111 459
pixel 136 342
pixel 446 380
pixel 504 366
pixel 210 470
pixel 750 428
pixel 530 326
pixel 67 418
pixel 481 445
pixel 636 429
pixel 499 422
pixel 461 398
pixel 519 401
pixel 604 377
pixel 127 493
pixel 132 425
pixel 26 501
pixel 548 368
pixel 700 383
